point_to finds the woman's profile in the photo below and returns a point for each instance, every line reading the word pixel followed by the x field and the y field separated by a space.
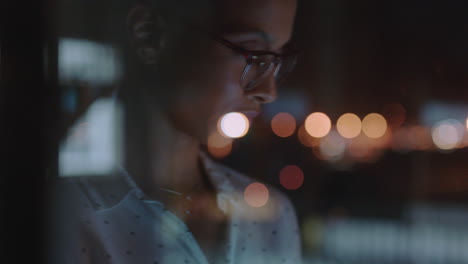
pixel 170 202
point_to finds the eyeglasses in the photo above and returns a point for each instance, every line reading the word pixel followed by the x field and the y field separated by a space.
pixel 260 64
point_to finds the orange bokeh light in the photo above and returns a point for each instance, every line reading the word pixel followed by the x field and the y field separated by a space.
pixel 256 194
pixel 283 124
pixel 291 177
pixel 374 125
pixel 317 124
pixel 306 139
pixel 349 125
pixel 219 146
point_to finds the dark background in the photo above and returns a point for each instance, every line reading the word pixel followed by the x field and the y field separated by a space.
pixel 358 55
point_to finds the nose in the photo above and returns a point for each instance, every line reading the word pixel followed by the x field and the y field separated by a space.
pixel 264 92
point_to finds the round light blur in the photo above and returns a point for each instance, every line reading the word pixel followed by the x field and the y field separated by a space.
pixel 374 125
pixel 317 124
pixel 382 142
pixel 447 134
pixel 349 125
pixel 306 139
pixel 333 146
pixel 283 125
pixel 291 177
pixel 256 194
pixel 219 146
pixel 233 125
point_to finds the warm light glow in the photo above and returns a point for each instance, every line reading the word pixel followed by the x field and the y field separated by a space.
pixel 374 125
pixel 256 194
pixel 382 142
pixel 333 146
pixel 402 140
pixel 419 138
pixel 395 114
pixel 349 125
pixel 447 134
pixel 361 147
pixel 291 177
pixel 219 146
pixel 317 124
pixel 233 125
pixel 283 125
pixel 306 139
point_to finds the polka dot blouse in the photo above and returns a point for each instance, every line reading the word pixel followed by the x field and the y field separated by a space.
pixel 111 220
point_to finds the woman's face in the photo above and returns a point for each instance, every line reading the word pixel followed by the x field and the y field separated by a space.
pixel 216 88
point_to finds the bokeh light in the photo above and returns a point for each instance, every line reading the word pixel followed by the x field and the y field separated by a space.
pixel 349 125
pixel 333 146
pixel 219 146
pixel 233 125
pixel 283 124
pixel 447 134
pixel 306 139
pixel 256 194
pixel 382 142
pixel 374 125
pixel 395 114
pixel 291 177
pixel 317 124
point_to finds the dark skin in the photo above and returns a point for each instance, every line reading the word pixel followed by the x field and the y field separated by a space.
pixel 176 132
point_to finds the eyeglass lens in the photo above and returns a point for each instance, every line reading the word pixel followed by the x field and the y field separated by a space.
pixel 257 69
pixel 260 67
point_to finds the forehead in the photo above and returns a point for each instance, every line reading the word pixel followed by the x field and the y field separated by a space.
pixel 275 18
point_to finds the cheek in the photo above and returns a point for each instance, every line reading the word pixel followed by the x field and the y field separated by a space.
pixel 218 92
pixel 225 91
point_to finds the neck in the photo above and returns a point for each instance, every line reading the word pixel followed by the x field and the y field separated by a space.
pixel 167 158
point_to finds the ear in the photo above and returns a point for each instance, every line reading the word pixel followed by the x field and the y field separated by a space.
pixel 146 32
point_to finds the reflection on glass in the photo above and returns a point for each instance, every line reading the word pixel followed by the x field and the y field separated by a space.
pixel 374 125
pixel 256 194
pixel 87 61
pixel 349 125
pixel 318 124
pixel 233 125
pixel 93 146
pixel 283 124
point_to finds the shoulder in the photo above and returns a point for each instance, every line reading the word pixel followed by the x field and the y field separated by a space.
pixel 91 193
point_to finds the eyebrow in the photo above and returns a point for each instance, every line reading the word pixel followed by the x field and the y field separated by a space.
pixel 249 33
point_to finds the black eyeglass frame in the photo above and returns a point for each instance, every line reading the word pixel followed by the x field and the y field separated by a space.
pixel 252 55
